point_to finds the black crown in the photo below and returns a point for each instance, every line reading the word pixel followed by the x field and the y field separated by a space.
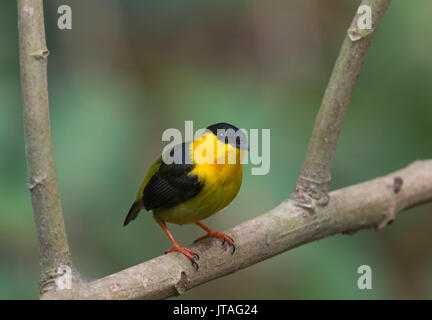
pixel 221 125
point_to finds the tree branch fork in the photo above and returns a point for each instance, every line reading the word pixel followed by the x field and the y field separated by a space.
pixel 311 212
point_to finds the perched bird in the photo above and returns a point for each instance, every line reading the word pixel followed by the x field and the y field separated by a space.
pixel 204 176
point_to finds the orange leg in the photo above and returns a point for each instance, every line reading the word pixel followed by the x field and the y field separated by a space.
pixel 216 234
pixel 192 256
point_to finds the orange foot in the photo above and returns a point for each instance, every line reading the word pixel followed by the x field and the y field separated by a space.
pixel 216 234
pixel 191 255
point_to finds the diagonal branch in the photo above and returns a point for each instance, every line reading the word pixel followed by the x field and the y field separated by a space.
pixel 42 182
pixel 313 184
pixel 370 204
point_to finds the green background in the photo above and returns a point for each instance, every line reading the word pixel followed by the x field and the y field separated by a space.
pixel 130 69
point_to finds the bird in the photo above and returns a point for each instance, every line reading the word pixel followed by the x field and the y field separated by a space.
pixel 192 181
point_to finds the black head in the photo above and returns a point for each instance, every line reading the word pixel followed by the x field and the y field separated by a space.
pixel 222 126
pixel 227 133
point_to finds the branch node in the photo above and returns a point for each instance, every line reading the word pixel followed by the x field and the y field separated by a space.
pixel 50 280
pixel 27 12
pixel 35 181
pixel 356 34
pixel 40 54
pixel 310 193
pixel 305 203
pixel 182 284
pixel 389 218
pixel 397 184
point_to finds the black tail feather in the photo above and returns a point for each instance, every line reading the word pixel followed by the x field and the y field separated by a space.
pixel 133 212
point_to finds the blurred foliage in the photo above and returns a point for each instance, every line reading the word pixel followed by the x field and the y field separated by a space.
pixel 130 69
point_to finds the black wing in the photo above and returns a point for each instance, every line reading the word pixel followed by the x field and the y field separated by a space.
pixel 171 185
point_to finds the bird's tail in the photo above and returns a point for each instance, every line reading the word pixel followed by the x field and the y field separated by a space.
pixel 133 211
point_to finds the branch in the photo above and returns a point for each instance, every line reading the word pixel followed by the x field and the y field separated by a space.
pixel 42 181
pixel 313 184
pixel 371 204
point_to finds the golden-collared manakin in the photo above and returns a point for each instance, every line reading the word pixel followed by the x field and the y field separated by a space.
pixel 192 181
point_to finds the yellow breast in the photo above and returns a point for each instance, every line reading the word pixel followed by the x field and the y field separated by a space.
pixel 215 161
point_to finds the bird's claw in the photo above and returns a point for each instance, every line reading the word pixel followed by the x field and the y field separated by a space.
pixel 195 265
pixel 226 239
pixel 191 255
pixel 233 248
pixel 230 242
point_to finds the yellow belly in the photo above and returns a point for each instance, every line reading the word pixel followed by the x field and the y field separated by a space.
pixel 221 185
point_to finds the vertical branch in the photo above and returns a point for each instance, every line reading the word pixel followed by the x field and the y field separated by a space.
pixel 42 181
pixel 313 184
